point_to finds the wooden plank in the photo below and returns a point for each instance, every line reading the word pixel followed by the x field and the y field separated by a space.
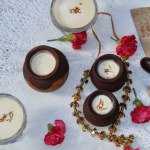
pixel 141 18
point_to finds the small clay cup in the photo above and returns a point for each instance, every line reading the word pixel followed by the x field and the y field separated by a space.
pixel 96 119
pixel 113 84
pixel 52 81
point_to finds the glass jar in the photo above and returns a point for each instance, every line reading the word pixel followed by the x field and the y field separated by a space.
pixel 73 30
pixel 19 133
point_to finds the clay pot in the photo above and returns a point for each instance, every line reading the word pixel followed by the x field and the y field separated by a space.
pixel 96 119
pixel 52 81
pixel 113 84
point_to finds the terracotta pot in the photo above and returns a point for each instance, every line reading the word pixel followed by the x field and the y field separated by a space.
pixel 113 84
pixel 96 119
pixel 52 81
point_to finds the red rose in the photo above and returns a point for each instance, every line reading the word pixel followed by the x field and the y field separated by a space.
pixel 79 39
pixel 53 138
pixel 140 114
pixel 56 136
pixel 128 46
pixel 76 45
pixel 127 148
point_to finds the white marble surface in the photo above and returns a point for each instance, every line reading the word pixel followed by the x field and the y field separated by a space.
pixel 25 24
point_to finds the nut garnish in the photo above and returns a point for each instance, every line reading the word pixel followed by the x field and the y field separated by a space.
pixel 101 105
pixel 10 114
pixel 109 70
pixel 75 11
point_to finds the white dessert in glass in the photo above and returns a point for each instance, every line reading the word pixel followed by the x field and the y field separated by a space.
pixel 12 119
pixel 66 14
pixel 73 16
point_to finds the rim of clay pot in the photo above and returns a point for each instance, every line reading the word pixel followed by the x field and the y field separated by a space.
pixel 102 92
pixel 36 50
pixel 109 57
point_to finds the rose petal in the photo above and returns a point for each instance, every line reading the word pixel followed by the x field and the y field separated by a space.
pixel 58 129
pixel 59 123
pixel 76 45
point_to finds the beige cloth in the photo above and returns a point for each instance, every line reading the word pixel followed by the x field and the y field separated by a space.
pixel 141 18
pixel 148 90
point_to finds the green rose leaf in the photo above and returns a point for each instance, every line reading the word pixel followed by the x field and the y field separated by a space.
pixel 49 126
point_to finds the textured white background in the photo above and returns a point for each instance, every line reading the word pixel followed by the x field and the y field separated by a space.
pixel 25 24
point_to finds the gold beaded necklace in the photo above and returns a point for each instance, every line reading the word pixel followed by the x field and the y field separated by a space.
pixel 118 140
